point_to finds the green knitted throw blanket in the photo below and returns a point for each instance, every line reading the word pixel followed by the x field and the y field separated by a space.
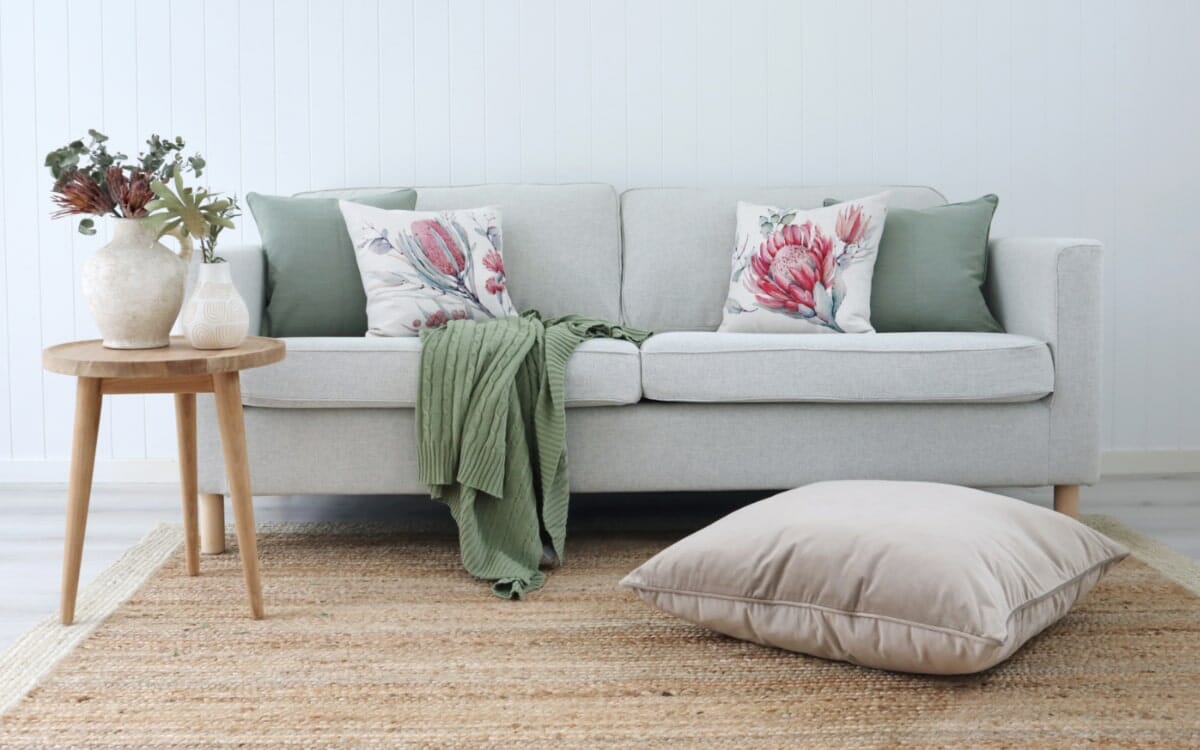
pixel 491 427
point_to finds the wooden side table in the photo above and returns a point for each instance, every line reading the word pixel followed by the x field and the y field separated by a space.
pixel 183 371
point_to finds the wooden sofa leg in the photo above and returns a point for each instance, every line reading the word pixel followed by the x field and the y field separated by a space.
pixel 1066 499
pixel 212 524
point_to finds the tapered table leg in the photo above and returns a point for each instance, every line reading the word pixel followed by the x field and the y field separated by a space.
pixel 228 390
pixel 79 488
pixel 185 429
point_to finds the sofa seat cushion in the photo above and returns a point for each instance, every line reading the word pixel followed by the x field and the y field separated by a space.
pixel 882 367
pixel 339 373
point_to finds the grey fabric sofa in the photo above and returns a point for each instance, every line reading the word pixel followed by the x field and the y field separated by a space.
pixel 695 409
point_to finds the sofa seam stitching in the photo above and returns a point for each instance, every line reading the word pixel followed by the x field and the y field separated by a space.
pixel 941 398
pixel 384 405
pixel 1021 348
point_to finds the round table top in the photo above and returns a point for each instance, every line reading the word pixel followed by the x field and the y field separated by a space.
pixel 91 359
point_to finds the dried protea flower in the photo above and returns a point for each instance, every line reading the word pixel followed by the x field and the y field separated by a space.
pixel 76 193
pixel 129 189
pixel 118 185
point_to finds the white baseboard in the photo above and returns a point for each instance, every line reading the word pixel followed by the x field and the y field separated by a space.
pixel 166 470
pixel 1142 463
pixel 112 470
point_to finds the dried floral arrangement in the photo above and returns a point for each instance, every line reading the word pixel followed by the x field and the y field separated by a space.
pixel 90 180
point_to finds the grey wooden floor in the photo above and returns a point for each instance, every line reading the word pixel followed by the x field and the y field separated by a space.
pixel 31 524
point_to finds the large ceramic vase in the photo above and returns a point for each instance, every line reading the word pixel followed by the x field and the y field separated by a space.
pixel 215 316
pixel 134 287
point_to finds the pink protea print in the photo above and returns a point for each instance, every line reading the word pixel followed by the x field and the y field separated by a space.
pixel 439 247
pixel 795 272
pixel 852 225
pixel 436 319
pixel 493 262
pixel 440 253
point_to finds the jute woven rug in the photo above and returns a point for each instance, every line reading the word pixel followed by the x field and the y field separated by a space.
pixel 378 639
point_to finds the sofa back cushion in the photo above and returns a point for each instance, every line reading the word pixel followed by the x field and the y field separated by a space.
pixel 313 283
pixel 561 242
pixel 678 244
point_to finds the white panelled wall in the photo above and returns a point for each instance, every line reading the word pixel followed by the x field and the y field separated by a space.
pixel 1080 114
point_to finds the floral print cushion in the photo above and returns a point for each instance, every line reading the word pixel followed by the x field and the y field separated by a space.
pixel 798 271
pixel 423 268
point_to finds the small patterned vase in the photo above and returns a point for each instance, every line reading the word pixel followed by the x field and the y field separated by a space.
pixel 215 316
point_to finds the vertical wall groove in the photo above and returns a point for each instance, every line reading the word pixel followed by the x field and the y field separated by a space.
pixel 6 427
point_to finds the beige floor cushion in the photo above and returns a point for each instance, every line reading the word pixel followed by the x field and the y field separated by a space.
pixel 907 576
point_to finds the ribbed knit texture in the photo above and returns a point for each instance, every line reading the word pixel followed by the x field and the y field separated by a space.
pixel 491 423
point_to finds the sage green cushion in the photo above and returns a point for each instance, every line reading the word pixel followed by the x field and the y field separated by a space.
pixel 313 284
pixel 931 267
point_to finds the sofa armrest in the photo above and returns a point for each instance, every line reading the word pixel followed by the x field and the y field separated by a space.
pixel 1050 289
pixel 248 266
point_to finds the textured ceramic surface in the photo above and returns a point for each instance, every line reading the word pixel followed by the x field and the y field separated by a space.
pixel 134 287
pixel 215 316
